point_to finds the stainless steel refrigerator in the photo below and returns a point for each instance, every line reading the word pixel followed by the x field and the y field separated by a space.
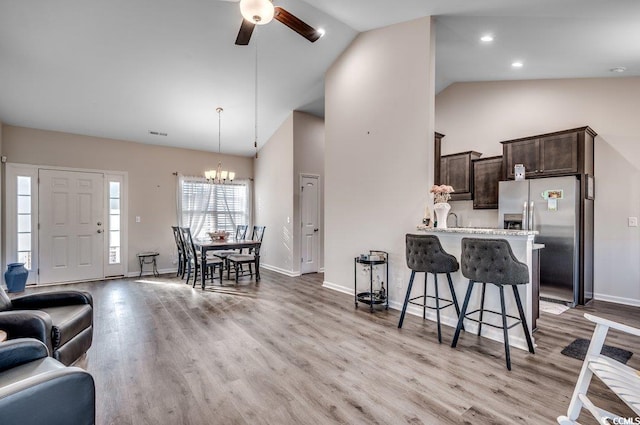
pixel 552 207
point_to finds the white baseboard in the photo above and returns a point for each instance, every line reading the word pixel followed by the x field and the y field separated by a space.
pixel 321 270
pixel 336 287
pixel 280 270
pixel 617 300
pixel 471 328
pixel 150 272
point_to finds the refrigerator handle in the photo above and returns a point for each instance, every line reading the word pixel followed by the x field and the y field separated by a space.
pixel 525 216
pixel 530 223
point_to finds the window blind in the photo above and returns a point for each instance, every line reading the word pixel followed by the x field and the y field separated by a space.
pixel 214 207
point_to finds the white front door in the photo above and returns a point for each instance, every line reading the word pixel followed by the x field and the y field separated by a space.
pixel 71 222
pixel 309 214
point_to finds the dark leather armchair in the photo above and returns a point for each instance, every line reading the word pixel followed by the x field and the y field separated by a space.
pixel 62 320
pixel 36 389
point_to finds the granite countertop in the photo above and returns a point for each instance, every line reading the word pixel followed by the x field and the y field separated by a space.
pixel 478 231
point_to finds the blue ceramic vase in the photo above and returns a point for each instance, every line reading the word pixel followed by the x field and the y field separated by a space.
pixel 16 277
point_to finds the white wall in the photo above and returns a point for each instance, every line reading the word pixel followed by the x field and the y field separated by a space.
pixel 152 185
pixel 477 116
pixel 308 148
pixel 2 201
pixel 379 148
pixel 296 147
pixel 273 171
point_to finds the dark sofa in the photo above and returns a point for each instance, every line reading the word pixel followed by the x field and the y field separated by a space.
pixel 62 320
pixel 36 389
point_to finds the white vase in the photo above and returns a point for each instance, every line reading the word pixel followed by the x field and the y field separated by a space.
pixel 442 210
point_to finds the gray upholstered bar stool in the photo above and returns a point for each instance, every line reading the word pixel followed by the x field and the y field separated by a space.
pixel 425 254
pixel 492 261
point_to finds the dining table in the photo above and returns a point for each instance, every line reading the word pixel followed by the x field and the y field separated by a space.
pixel 206 245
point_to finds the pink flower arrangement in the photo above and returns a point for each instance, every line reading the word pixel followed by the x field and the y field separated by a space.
pixel 441 193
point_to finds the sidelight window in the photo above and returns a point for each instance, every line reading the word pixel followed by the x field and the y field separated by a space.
pixel 24 220
pixel 115 221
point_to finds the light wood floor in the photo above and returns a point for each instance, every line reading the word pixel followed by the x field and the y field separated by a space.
pixel 288 351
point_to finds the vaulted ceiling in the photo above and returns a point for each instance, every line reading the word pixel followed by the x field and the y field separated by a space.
pixel 120 69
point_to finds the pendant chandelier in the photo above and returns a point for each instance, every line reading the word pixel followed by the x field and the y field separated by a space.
pixel 219 176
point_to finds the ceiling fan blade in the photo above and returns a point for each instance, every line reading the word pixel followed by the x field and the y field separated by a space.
pixel 244 35
pixel 296 24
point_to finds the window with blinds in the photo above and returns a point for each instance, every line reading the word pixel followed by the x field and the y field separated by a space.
pixel 217 207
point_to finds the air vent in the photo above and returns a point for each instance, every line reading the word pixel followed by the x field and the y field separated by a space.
pixel 157 133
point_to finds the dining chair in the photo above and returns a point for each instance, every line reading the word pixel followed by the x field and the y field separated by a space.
pixel 241 233
pixel 251 258
pixel 182 258
pixel 193 259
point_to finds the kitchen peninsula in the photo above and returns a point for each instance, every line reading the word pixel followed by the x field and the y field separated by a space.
pixel 524 249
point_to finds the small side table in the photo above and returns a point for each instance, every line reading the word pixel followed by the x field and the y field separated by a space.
pixel 148 258
pixel 381 296
pixel 3 336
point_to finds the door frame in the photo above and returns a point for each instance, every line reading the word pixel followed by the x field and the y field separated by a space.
pixel 318 245
pixel 13 170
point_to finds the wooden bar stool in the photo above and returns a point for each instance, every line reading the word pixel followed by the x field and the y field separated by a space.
pixel 492 261
pixel 425 254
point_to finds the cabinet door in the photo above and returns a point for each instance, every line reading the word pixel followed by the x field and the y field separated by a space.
pixel 559 154
pixel 437 163
pixel 458 173
pixel 486 175
pixel 526 152
pixel 442 173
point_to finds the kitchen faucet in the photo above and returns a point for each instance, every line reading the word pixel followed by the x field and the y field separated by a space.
pixel 455 216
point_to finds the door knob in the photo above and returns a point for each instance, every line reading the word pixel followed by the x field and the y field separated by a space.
pixel 99 230
pixel 315 230
pixel 99 223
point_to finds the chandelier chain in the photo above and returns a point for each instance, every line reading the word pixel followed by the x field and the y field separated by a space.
pixel 255 119
pixel 219 111
pixel 218 175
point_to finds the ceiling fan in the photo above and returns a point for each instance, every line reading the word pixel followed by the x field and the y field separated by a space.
pixel 261 12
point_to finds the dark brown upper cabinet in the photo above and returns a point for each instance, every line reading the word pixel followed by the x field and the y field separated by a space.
pixel 487 172
pixel 437 151
pixel 554 154
pixel 456 171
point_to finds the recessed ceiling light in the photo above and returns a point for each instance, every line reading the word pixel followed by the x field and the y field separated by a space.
pixel 486 38
pixel 618 69
pixel 517 64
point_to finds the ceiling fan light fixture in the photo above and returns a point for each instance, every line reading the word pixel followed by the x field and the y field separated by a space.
pixel 259 12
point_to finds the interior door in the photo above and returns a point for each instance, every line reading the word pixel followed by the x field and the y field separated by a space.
pixel 71 236
pixel 309 214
